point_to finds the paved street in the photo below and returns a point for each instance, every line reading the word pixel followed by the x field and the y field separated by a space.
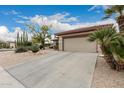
pixel 56 69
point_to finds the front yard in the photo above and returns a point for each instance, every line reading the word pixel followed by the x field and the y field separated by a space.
pixel 10 58
pixel 105 77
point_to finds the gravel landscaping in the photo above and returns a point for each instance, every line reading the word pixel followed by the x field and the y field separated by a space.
pixel 105 77
pixel 9 58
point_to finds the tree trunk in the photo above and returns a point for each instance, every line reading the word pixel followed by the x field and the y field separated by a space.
pixel 120 21
pixel 43 44
pixel 108 58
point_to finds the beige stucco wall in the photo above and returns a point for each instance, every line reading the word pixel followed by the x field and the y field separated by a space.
pixel 60 43
pixel 12 45
pixel 80 44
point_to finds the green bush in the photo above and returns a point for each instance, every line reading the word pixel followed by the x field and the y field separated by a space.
pixel 21 50
pixel 28 47
pixel 35 48
pixel 29 43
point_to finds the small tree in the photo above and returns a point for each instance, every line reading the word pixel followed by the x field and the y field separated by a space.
pixel 40 33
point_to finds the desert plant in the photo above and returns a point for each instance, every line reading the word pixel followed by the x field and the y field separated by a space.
pixel 35 48
pixel 118 52
pixel 40 33
pixel 22 40
pixel 112 44
pixel 21 50
pixel 104 37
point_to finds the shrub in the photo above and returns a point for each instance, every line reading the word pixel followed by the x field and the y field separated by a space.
pixel 112 46
pixel 41 46
pixel 35 48
pixel 21 50
pixel 29 43
pixel 28 47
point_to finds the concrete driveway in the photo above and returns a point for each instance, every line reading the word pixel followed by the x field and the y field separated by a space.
pixel 56 70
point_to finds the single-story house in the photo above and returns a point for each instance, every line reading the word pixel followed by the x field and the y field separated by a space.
pixel 77 39
pixel 12 44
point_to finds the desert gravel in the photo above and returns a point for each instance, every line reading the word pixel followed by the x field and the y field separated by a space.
pixel 10 58
pixel 105 77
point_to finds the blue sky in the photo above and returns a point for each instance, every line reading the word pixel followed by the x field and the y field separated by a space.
pixel 62 17
pixel 77 11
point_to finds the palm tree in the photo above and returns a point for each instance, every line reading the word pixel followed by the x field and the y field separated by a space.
pixel 116 10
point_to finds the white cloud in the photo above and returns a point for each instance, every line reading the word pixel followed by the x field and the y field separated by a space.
pixel 20 21
pixel 98 11
pixel 38 19
pixel 109 21
pixel 24 17
pixel 3 29
pixel 59 21
pixel 58 26
pixel 59 16
pixel 12 12
pixel 92 8
pixel 97 7
pixel 6 35
pixel 63 17
pixel 71 19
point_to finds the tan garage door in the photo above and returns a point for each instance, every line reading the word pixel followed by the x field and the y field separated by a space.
pixel 80 44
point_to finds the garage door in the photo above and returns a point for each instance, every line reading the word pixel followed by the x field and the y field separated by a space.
pixel 80 44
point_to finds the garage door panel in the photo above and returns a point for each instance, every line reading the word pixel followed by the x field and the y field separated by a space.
pixel 80 44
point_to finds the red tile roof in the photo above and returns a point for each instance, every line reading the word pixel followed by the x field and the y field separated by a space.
pixel 84 29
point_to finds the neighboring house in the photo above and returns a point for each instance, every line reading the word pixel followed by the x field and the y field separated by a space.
pixel 77 40
pixel 11 44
